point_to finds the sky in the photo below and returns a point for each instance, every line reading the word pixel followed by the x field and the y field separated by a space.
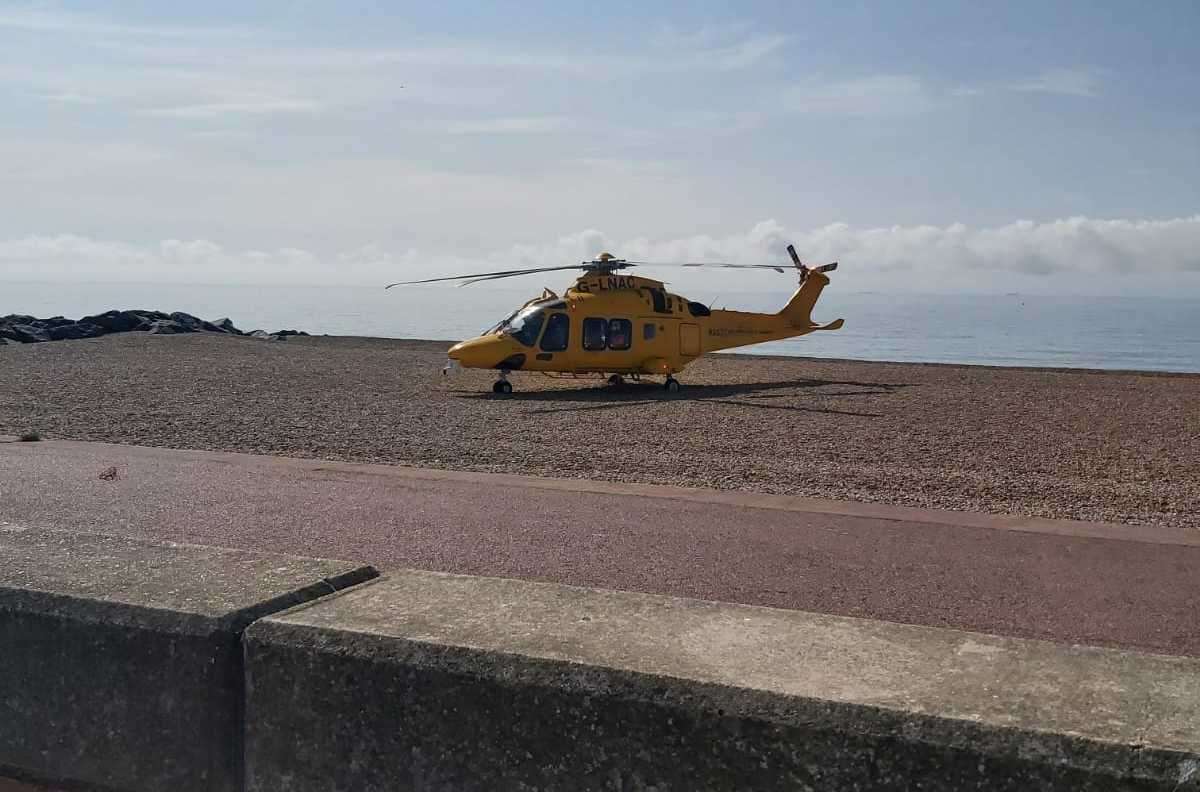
pixel 941 145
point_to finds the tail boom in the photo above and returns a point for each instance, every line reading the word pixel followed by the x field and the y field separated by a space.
pixel 729 329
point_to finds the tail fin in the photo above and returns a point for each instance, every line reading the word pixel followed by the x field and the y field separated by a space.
pixel 798 311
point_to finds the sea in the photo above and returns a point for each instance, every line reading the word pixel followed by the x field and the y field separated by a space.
pixel 1139 333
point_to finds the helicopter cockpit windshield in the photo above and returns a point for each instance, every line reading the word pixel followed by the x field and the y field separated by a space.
pixel 526 324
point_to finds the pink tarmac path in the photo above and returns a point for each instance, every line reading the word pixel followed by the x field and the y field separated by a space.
pixel 1112 585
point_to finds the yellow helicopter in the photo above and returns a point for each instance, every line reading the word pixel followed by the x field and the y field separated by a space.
pixel 623 325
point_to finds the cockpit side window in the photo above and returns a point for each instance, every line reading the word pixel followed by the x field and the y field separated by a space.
pixel 513 323
pixel 526 325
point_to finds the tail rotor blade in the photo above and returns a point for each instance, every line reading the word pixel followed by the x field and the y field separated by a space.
pixel 791 249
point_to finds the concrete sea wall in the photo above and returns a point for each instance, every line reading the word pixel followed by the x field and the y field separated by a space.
pixel 121 661
pixel 138 666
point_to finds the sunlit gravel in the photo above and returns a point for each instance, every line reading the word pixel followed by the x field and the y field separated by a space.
pixel 1054 443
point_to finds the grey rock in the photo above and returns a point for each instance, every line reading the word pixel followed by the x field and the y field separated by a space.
pixel 195 324
pixel 28 329
pixel 117 321
pixel 121 665
pixel 148 319
pixel 187 320
pixel 168 327
pixel 54 321
pixel 278 335
pixel 24 333
pixel 75 330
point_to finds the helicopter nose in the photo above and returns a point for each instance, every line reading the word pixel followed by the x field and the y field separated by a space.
pixel 482 352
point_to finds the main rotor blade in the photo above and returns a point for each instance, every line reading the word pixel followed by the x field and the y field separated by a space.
pixel 484 275
pixel 469 281
pixel 721 264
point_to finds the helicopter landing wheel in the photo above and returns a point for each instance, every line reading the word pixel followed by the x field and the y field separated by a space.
pixel 502 386
pixel 616 380
pixel 672 385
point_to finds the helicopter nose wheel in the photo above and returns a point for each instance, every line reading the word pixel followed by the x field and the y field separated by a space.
pixel 671 385
pixel 616 380
pixel 502 386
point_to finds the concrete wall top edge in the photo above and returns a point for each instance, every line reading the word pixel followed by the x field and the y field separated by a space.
pixel 944 686
pixel 97 576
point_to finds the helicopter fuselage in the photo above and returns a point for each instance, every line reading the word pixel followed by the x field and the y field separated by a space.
pixel 623 324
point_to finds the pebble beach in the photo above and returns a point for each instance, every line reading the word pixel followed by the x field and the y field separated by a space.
pixel 1087 445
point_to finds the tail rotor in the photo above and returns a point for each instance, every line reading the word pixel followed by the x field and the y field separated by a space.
pixel 805 270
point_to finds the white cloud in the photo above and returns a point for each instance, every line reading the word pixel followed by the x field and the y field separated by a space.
pixel 171 90
pixel 729 48
pixel 955 255
pixel 502 126
pixel 1076 246
pixel 266 106
pixel 728 53
pixel 58 21
pixel 201 73
pixel 69 98
pixel 70 256
pixel 245 192
pixel 1061 82
pixel 880 94
pixel 742 54
pixel 124 155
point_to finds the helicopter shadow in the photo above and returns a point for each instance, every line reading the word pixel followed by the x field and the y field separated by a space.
pixel 758 395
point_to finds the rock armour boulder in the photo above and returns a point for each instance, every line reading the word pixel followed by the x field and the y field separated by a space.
pixel 25 329
pixel 75 330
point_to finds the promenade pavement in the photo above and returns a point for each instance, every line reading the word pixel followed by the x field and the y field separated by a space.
pixel 1091 583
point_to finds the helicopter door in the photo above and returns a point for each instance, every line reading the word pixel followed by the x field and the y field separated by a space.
pixel 689 339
